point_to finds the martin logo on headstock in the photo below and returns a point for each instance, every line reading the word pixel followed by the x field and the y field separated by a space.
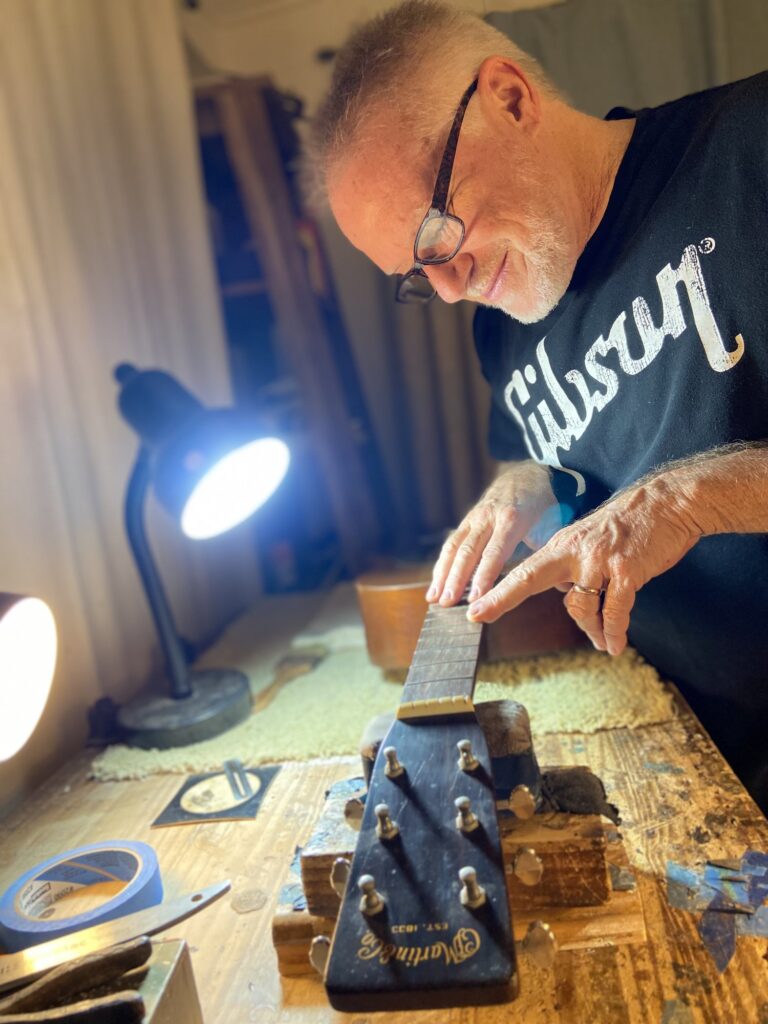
pixel 424 921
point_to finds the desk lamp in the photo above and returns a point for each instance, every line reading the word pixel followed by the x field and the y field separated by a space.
pixel 27 660
pixel 210 469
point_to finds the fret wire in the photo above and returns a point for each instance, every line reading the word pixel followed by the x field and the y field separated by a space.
pixel 441 657
pixel 450 629
pixel 438 688
pixel 432 648
pixel 452 670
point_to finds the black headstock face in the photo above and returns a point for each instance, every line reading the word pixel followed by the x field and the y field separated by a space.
pixel 425 948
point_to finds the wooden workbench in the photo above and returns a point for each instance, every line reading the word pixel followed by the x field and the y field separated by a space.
pixel 679 800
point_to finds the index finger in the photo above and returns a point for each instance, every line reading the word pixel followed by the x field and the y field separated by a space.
pixel 536 574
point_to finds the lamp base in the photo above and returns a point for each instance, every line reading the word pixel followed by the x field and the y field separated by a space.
pixel 220 699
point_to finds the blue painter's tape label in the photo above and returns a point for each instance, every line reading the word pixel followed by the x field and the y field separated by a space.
pixel 109 879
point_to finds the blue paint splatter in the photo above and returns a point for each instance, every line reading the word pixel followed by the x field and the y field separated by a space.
pixel 718 930
pixel 676 1012
pixel 718 893
pixel 663 767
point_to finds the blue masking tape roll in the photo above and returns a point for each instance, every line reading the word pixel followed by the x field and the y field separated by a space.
pixel 39 905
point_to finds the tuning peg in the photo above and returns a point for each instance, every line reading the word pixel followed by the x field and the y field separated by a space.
pixel 472 894
pixel 466 819
pixel 318 953
pixel 540 944
pixel 339 875
pixel 385 827
pixel 353 812
pixel 392 769
pixel 527 866
pixel 371 902
pixel 522 802
pixel 467 760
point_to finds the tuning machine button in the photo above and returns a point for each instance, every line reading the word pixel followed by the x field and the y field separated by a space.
pixel 467 760
pixel 340 875
pixel 466 819
pixel 318 953
pixel 472 894
pixel 392 769
pixel 540 944
pixel 522 802
pixel 371 902
pixel 386 828
pixel 353 812
pixel 527 866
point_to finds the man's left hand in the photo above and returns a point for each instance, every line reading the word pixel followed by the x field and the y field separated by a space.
pixel 609 555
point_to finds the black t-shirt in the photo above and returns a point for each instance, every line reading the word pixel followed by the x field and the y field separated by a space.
pixel 658 350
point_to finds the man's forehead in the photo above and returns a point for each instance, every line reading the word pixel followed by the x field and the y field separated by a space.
pixel 377 203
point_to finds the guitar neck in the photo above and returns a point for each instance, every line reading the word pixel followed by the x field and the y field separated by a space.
pixel 441 679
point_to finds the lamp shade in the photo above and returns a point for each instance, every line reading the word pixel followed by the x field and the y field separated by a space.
pixel 210 468
pixel 28 647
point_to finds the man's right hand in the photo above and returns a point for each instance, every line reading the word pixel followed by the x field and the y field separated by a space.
pixel 515 504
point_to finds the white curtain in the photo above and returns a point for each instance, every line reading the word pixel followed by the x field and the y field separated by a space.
pixel 103 258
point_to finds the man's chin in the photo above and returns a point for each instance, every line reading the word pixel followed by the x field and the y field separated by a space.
pixel 525 313
pixel 529 308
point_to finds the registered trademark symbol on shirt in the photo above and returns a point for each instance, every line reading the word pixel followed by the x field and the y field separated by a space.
pixel 706 246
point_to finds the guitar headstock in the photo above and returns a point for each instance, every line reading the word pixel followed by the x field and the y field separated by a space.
pixel 429 926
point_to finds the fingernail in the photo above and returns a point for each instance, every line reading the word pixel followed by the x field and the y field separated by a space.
pixel 477 608
pixel 474 592
pixel 447 596
pixel 432 593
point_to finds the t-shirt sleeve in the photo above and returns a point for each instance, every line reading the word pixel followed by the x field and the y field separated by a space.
pixel 505 439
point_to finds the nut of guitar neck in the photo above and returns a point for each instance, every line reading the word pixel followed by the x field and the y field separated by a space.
pixel 467 760
pixel 371 902
pixel 466 819
pixel 385 827
pixel 472 894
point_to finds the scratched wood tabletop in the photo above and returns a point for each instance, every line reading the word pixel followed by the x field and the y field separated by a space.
pixel 680 803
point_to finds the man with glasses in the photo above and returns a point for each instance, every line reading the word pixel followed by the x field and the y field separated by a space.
pixel 620 268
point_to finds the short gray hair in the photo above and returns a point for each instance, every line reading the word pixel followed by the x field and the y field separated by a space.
pixel 389 59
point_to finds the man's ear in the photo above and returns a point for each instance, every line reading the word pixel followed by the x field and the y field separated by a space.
pixel 507 92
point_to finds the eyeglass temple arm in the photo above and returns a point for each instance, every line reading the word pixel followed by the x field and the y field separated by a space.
pixel 440 195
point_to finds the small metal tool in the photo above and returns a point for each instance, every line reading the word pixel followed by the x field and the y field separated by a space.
pixel 31 963
pixel 238 780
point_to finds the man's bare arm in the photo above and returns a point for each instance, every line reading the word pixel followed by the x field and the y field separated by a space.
pixel 640 533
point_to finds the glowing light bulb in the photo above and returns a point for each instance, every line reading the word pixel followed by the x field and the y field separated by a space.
pixel 27 660
pixel 235 487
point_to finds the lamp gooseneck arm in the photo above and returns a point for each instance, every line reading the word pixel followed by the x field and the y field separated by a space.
pixel 173 651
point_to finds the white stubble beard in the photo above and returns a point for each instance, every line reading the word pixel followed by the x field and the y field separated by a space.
pixel 549 260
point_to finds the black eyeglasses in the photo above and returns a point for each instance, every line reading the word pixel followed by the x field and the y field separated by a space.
pixel 440 236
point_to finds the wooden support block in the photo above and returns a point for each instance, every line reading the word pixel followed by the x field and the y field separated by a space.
pixel 292 934
pixel 572 850
pixel 617 921
pixel 331 838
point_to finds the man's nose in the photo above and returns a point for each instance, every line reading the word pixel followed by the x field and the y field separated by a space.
pixel 450 279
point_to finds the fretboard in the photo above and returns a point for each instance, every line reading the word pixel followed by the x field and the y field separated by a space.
pixel 441 678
